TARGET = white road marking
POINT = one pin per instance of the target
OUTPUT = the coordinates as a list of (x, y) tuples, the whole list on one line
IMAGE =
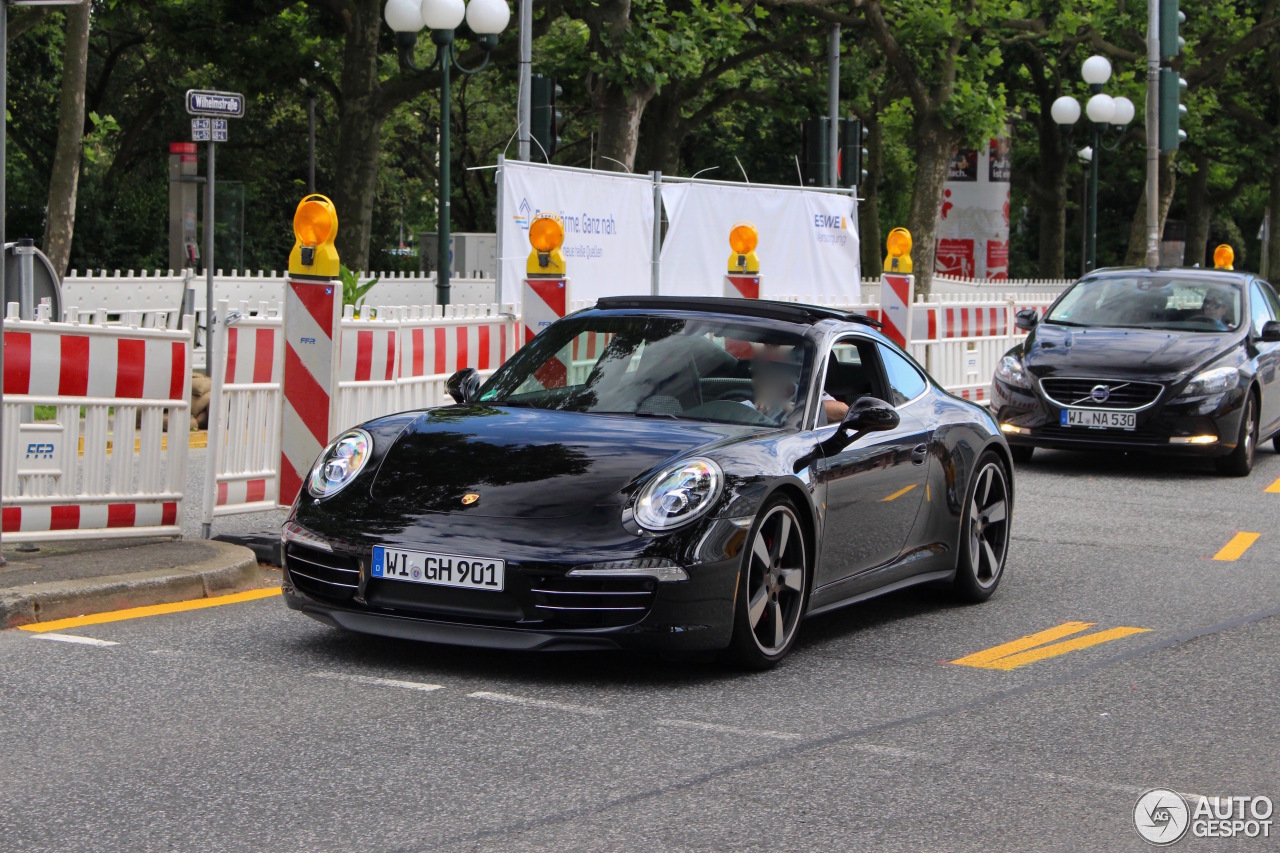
[(73, 638), (728, 730), (537, 703), (381, 682)]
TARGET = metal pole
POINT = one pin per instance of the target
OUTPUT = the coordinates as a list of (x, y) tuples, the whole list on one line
[(26, 253), (525, 110), (4, 132), (442, 218), (311, 144), (833, 105), (1091, 255), (210, 325), (654, 271), (1153, 133)]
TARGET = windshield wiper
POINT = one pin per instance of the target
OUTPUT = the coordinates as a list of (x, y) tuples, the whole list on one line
[(656, 415), (1067, 323)]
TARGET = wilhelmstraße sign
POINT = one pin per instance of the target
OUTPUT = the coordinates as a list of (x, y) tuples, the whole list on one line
[(201, 102)]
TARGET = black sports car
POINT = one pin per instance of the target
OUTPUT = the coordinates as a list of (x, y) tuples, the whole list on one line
[(656, 473), (1170, 360)]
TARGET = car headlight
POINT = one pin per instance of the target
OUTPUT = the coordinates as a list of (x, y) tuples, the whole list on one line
[(1212, 382), (679, 494), (340, 463), (1010, 371)]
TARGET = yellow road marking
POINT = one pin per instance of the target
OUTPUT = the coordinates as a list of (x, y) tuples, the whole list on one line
[(1235, 549), (1274, 488), (1041, 645), (899, 493), (149, 610)]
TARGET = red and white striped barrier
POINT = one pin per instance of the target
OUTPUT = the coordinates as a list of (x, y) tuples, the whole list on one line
[(312, 313), (543, 301), (742, 286), (103, 467), (896, 294)]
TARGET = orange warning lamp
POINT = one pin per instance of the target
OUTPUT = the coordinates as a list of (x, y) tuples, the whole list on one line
[(1223, 258), (315, 226), (899, 246), (546, 235), (743, 238)]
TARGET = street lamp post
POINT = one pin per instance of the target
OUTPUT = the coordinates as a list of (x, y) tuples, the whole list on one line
[(486, 18), (1103, 111)]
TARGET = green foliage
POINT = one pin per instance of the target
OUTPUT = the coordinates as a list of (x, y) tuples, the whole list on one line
[(353, 292)]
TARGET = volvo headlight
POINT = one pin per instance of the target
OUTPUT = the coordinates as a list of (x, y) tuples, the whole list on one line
[(679, 494), (340, 463), (1010, 371), (1210, 382)]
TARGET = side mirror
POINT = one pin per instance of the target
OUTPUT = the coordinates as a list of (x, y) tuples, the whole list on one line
[(868, 414), (464, 386), (1026, 319), (1270, 332)]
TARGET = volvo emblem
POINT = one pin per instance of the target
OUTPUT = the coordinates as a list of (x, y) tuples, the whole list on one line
[(470, 498), (1100, 394)]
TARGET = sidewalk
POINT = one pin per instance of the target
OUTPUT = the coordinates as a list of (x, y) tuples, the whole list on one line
[(67, 579)]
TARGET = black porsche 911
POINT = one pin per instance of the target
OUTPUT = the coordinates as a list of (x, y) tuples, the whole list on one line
[(1169, 360), (656, 473)]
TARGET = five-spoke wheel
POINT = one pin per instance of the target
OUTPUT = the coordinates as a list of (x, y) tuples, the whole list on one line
[(772, 588), (984, 540)]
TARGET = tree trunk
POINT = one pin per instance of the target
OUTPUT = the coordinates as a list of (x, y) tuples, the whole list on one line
[(661, 134), (1049, 189), (1199, 213), (869, 212), (1137, 254), (933, 142), (359, 135), (620, 114), (1273, 247), (64, 180)]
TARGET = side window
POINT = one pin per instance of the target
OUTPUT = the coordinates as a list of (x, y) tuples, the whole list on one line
[(1259, 307), (851, 371), (905, 382)]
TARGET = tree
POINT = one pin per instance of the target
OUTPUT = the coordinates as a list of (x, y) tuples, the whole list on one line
[(64, 181)]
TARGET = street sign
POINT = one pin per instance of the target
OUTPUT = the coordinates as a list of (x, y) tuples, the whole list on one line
[(219, 130), (200, 130), (204, 102)]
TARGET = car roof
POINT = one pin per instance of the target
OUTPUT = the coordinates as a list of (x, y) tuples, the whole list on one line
[(789, 312), (1224, 276)]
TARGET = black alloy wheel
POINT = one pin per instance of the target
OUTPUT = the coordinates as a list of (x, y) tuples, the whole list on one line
[(773, 588), (1240, 462), (984, 532)]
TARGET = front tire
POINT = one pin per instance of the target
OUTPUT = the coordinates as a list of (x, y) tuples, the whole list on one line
[(1240, 462), (984, 532), (773, 588)]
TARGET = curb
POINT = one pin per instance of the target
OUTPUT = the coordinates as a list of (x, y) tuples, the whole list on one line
[(233, 568)]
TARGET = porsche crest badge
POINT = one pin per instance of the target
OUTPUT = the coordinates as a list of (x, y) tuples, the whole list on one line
[(470, 498)]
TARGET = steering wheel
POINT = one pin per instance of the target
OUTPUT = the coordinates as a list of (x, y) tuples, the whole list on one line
[(736, 395)]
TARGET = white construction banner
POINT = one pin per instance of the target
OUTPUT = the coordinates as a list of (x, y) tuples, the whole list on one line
[(808, 246), (608, 224), (973, 225)]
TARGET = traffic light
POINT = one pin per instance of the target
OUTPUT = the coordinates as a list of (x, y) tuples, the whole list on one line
[(545, 118), (815, 158), (1171, 109), (853, 153), (1171, 19)]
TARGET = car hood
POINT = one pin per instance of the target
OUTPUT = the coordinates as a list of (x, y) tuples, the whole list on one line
[(529, 463), (1103, 353)]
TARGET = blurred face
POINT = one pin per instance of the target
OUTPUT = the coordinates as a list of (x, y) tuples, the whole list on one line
[(772, 376), (1215, 308)]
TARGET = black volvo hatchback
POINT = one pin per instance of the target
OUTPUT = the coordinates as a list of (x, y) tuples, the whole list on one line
[(661, 473), (1169, 360)]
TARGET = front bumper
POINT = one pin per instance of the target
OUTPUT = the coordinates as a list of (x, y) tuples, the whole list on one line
[(541, 606), (1197, 427)]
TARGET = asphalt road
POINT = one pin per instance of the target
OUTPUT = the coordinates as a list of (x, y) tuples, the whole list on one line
[(248, 727)]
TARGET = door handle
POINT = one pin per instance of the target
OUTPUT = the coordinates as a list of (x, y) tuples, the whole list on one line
[(919, 454)]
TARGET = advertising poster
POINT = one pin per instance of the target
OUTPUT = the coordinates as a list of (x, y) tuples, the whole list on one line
[(973, 228)]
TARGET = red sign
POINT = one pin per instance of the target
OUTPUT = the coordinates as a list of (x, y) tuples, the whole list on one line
[(955, 257)]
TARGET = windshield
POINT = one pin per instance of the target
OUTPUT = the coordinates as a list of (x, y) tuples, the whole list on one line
[(701, 368), (1151, 302)]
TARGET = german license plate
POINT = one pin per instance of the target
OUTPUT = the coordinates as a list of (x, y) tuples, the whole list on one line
[(438, 569), (1099, 419)]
